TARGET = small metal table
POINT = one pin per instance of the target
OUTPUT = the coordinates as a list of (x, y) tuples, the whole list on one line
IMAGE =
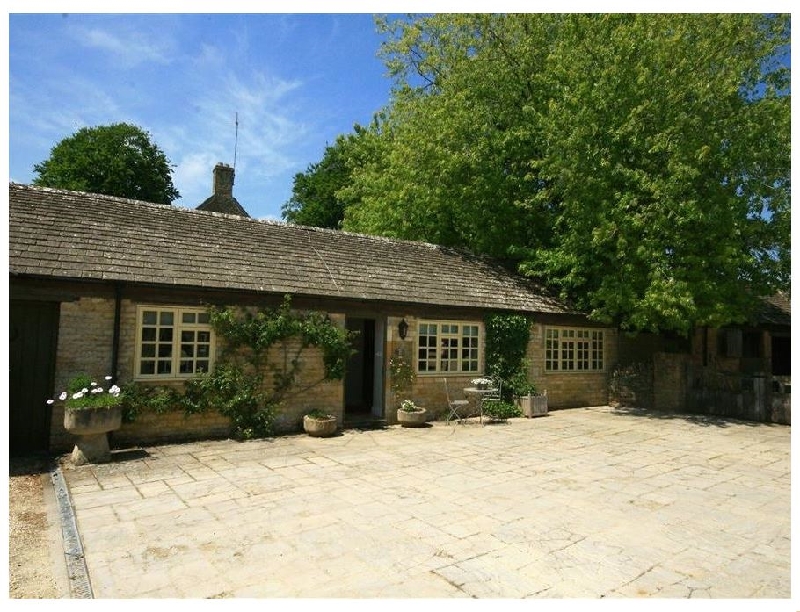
[(479, 395)]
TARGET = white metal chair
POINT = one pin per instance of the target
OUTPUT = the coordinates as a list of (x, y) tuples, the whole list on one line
[(454, 405), (494, 395)]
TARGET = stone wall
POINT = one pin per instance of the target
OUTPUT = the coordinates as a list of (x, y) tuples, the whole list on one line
[(309, 391), (631, 385), (172, 426), (570, 389), (564, 390), (85, 345), (428, 390), (669, 381), (85, 339)]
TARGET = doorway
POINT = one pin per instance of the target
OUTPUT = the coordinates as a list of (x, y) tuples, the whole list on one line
[(781, 356), (33, 338), (363, 383)]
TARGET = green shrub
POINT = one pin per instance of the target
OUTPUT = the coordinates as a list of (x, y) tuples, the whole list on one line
[(139, 398), (501, 410)]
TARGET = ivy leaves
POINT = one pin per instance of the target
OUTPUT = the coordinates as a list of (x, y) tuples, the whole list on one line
[(257, 332)]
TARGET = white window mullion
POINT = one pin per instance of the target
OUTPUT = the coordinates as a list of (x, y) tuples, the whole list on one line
[(448, 346), (172, 342), (573, 350)]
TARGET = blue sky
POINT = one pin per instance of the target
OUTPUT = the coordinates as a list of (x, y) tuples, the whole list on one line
[(296, 81)]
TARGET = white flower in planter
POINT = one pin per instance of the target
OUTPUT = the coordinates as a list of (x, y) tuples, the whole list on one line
[(409, 406)]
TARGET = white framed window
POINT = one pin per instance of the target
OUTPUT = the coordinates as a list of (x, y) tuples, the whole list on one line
[(173, 342), (448, 346), (574, 350)]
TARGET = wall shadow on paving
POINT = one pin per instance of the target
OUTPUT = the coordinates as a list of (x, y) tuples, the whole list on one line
[(704, 420)]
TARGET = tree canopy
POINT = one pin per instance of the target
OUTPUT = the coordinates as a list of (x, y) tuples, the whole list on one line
[(315, 197), (117, 160), (638, 163)]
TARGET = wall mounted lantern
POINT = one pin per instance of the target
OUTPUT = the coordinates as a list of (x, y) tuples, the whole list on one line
[(402, 327)]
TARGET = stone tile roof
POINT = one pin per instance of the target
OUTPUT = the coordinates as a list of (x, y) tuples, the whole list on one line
[(223, 204), (72, 235), (775, 310)]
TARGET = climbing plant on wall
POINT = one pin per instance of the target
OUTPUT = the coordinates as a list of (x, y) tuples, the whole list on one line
[(507, 337), (238, 384), (249, 383)]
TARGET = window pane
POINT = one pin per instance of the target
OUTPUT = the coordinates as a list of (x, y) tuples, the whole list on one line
[(165, 334), (204, 336), (149, 317), (187, 336), (148, 367), (202, 366), (164, 367), (187, 367), (149, 334), (148, 350), (203, 350), (187, 350), (189, 317), (166, 318), (165, 350), (203, 318)]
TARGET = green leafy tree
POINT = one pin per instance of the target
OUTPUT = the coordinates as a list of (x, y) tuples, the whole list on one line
[(317, 198), (639, 163), (117, 160)]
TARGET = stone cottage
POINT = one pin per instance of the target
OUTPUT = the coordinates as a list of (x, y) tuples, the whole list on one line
[(107, 285)]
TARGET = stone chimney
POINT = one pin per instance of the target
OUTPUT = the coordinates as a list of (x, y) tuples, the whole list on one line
[(223, 180), (222, 199)]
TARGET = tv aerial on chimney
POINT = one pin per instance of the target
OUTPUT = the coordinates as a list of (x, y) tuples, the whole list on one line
[(236, 141)]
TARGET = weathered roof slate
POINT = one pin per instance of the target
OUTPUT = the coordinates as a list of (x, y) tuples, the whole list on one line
[(775, 310), (223, 204), (73, 235)]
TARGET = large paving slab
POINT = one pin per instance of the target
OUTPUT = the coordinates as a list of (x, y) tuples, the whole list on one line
[(583, 503)]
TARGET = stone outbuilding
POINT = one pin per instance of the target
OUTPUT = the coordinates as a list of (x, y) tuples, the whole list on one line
[(92, 277)]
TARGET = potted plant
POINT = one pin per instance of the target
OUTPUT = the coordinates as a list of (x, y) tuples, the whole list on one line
[(90, 412), (411, 415), (533, 404), (482, 383), (319, 423)]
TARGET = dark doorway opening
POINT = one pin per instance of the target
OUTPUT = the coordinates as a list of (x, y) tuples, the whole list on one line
[(33, 338), (359, 384), (781, 356)]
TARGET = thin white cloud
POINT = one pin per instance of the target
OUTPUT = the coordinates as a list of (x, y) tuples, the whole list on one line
[(193, 178), (184, 85), (270, 126), (131, 47)]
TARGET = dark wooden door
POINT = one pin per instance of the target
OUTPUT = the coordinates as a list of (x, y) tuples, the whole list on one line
[(33, 337), (359, 387)]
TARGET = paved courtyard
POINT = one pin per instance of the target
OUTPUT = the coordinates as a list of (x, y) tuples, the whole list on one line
[(583, 503)]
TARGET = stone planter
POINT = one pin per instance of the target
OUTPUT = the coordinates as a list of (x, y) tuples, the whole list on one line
[(92, 425), (319, 427), (417, 418), (532, 405)]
